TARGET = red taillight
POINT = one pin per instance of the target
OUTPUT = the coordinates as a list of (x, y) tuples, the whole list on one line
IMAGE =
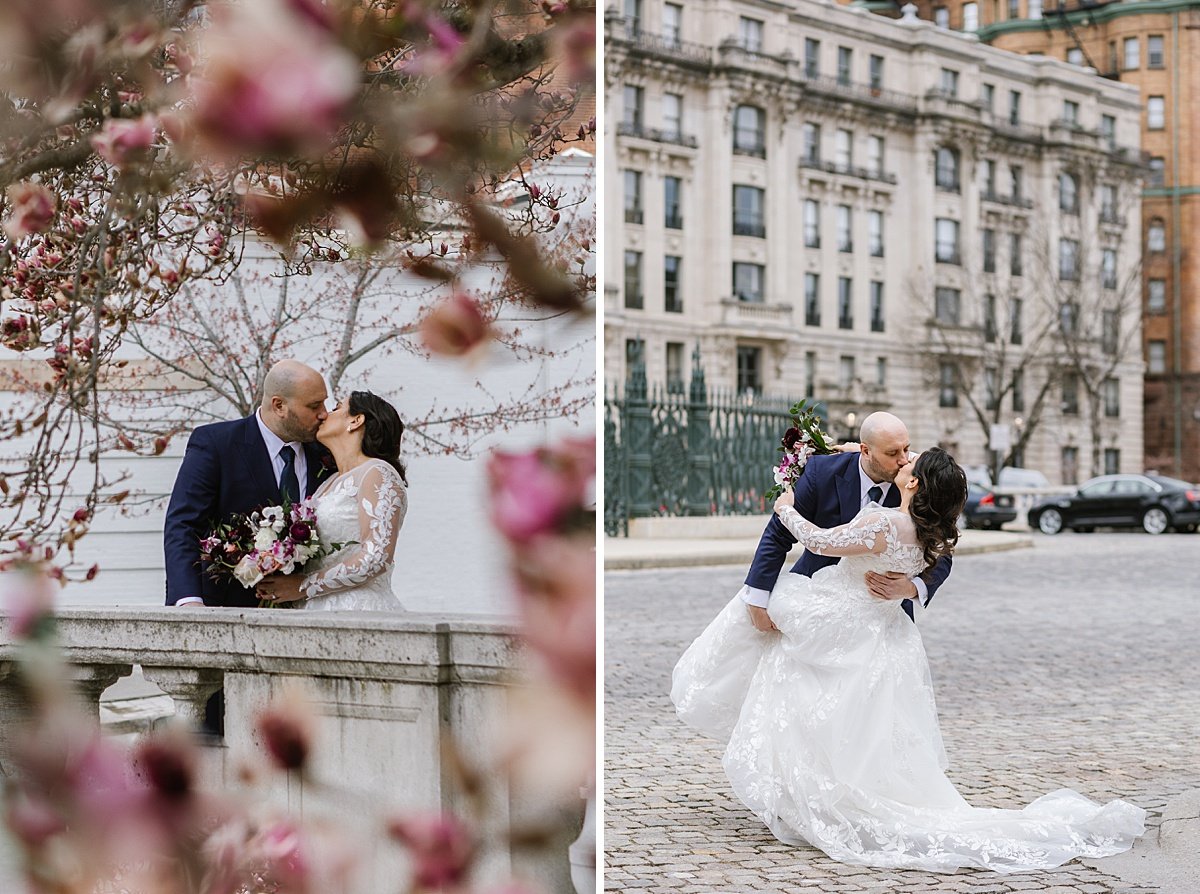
[(987, 500), (1192, 495)]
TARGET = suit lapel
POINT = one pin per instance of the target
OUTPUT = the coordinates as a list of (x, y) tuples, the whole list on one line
[(314, 455), (849, 491), (258, 462)]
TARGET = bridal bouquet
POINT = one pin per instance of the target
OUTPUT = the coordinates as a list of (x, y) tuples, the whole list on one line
[(247, 548), (802, 440)]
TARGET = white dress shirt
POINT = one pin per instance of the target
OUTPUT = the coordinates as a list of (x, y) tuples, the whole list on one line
[(754, 596)]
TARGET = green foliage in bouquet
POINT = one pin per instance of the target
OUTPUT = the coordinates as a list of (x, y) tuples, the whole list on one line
[(803, 439)]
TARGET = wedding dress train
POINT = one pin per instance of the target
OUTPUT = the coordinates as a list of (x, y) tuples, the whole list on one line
[(832, 732), (358, 576)]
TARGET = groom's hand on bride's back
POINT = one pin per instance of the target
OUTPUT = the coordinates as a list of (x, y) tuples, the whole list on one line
[(892, 585)]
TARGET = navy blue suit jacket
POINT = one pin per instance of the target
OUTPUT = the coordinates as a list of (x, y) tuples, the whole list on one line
[(828, 494), (226, 470)]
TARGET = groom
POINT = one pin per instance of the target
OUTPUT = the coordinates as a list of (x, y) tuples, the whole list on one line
[(831, 492), (235, 467)]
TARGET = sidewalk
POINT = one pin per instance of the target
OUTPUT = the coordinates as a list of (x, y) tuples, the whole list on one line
[(635, 553)]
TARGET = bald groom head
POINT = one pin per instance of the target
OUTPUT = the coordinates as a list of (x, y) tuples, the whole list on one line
[(884, 440), (293, 403)]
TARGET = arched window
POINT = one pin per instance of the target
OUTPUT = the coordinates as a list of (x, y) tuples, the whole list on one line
[(1068, 193), (750, 131), (947, 169)]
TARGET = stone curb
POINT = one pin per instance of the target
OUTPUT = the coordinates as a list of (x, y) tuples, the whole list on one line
[(637, 555)]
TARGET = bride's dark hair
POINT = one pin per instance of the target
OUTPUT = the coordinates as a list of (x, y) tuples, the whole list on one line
[(382, 428), (938, 503)]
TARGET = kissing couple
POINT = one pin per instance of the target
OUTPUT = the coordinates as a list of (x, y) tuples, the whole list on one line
[(345, 460), (818, 684)]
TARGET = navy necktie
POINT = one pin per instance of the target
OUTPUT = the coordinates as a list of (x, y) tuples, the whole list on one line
[(875, 494), (289, 484)]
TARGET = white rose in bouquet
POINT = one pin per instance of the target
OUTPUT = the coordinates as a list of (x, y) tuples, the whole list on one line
[(247, 572), (264, 539)]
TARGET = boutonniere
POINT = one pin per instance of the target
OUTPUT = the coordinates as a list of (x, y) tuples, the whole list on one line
[(328, 464)]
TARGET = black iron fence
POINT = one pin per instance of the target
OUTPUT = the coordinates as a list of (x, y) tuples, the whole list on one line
[(695, 453)]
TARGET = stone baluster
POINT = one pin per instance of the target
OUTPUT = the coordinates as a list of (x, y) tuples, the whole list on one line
[(90, 680), (189, 687)]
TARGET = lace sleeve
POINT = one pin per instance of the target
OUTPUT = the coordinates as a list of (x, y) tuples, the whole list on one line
[(382, 503), (865, 535)]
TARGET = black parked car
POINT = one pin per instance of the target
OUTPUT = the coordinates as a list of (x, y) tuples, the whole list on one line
[(986, 509), (1150, 502)]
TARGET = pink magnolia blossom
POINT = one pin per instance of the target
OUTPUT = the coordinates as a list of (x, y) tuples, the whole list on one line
[(32, 211), (122, 141), (272, 81), (532, 493), (440, 845), (455, 326), (28, 601), (287, 729)]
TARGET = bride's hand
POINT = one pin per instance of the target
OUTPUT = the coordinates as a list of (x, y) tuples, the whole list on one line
[(787, 498), (848, 447), (278, 588)]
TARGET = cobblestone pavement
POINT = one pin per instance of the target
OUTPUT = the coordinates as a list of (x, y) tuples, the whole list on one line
[(1070, 664)]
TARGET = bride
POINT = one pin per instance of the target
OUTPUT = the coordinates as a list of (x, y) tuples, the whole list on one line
[(362, 506), (831, 729)]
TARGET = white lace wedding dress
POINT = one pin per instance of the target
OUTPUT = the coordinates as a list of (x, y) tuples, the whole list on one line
[(363, 508), (832, 731)]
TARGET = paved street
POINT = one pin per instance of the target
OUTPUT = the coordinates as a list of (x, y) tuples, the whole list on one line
[(1073, 663)]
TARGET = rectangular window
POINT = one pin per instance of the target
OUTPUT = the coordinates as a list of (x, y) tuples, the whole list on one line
[(845, 232), (672, 23), (1070, 465), (875, 72), (1014, 9), (989, 251), (1132, 47), (672, 116), (1017, 176), (748, 282), (750, 131), (812, 299), (1074, 56), (1014, 107), (946, 241), (673, 203), (1154, 51), (812, 142), (845, 371), (844, 61), (941, 18), (1068, 318), (1158, 169), (1112, 400), (675, 383), (1108, 130), (748, 218), (1156, 296), (876, 307), (631, 108), (1112, 461), (812, 57), (1108, 268), (810, 373), (1018, 391), (1070, 111), (1016, 260), (991, 388), (633, 197), (1114, 58), (812, 224), (946, 305), (843, 149), (845, 303), (1156, 357), (1035, 9), (633, 15), (945, 169), (875, 233), (672, 296), (633, 351), (1068, 193), (749, 370), (875, 155), (947, 385), (1070, 394), (1016, 330), (989, 178), (1156, 236), (949, 82), (633, 280), (751, 33), (989, 318), (988, 97), (1108, 203), (970, 14), (881, 368), (1156, 113), (1068, 260), (1110, 331)]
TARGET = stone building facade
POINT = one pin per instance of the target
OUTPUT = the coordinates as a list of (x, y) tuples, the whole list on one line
[(832, 204), (1154, 47)]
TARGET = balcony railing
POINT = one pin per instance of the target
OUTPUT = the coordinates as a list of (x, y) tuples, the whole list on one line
[(847, 170), (754, 313), (862, 92), (659, 45), (1015, 201), (656, 134), (749, 226), (633, 215), (673, 220), (756, 148)]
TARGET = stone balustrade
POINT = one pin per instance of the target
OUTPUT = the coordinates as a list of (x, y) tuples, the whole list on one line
[(390, 692)]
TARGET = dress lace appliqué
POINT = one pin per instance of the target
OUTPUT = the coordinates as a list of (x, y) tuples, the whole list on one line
[(831, 728), (365, 509)]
